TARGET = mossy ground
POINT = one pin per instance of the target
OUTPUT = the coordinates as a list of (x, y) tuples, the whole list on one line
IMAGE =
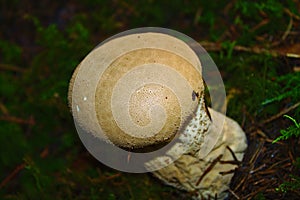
[(41, 42)]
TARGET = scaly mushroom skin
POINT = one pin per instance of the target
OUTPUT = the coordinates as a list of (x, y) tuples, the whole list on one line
[(146, 89), (194, 172)]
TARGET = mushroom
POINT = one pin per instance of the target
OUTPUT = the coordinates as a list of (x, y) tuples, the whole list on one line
[(138, 105)]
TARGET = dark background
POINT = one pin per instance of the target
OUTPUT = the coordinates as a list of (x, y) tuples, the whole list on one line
[(255, 44)]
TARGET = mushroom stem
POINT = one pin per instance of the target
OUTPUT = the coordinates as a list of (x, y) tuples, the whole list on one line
[(207, 176)]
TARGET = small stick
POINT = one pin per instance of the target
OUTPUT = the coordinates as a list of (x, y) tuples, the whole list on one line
[(3, 109), (272, 118), (210, 46), (233, 155), (113, 176), (261, 133), (11, 68), (234, 194), (213, 163), (251, 165), (43, 154), (227, 172), (257, 169), (12, 175), (17, 120), (279, 163), (291, 14), (232, 162), (288, 30)]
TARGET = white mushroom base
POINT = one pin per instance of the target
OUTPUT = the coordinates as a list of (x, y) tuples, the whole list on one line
[(206, 176)]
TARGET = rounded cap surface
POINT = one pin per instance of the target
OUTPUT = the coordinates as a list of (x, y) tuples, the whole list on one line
[(136, 90)]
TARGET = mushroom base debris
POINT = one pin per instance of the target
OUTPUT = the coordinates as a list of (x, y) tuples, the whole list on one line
[(206, 176)]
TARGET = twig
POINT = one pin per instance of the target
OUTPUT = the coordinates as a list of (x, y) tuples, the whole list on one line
[(263, 135), (291, 156), (253, 194), (213, 163), (250, 163), (291, 14), (17, 120), (8, 178), (232, 154), (227, 172), (234, 194), (257, 169), (262, 23), (11, 68), (12, 174), (231, 162), (288, 30), (210, 46), (272, 118), (279, 163), (259, 182), (3, 109), (113, 176)]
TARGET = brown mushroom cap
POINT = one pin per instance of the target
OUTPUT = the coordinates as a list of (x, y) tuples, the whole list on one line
[(136, 90)]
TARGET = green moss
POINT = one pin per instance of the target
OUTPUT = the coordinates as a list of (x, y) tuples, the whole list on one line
[(10, 52), (293, 185), (291, 131), (256, 82)]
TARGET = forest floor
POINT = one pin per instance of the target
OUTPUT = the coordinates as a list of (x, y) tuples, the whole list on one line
[(255, 45)]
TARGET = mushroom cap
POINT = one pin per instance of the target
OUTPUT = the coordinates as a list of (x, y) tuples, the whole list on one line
[(136, 90)]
